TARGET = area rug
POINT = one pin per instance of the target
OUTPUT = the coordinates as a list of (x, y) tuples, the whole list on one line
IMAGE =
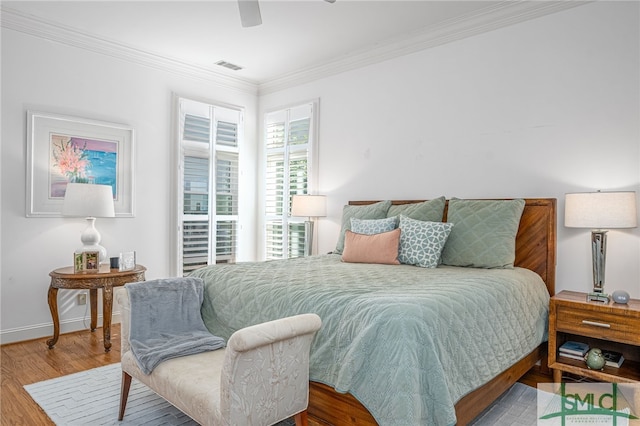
[(518, 406), (92, 397)]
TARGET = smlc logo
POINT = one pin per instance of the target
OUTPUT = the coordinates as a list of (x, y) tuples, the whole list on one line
[(591, 404)]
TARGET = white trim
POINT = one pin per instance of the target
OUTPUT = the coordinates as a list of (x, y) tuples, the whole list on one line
[(500, 15), (29, 24), (38, 331)]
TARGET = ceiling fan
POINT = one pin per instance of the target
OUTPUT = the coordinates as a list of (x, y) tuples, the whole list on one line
[(250, 12)]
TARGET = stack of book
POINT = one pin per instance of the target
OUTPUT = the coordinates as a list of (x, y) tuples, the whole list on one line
[(578, 350), (612, 358), (574, 350)]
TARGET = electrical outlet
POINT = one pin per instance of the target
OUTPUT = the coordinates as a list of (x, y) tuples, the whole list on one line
[(82, 299)]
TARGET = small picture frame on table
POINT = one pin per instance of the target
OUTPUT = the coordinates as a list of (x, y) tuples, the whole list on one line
[(87, 261), (91, 261), (78, 262), (127, 261)]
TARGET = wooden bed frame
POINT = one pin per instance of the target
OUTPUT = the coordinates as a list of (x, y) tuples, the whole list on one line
[(535, 250)]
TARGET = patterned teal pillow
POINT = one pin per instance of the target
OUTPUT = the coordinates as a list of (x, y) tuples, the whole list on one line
[(421, 242), (373, 226), (484, 235), (431, 210), (369, 211)]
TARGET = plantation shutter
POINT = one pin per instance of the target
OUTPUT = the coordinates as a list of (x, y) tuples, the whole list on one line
[(209, 165), (288, 141)]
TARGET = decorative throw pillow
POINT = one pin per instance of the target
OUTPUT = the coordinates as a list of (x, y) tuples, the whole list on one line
[(369, 211), (421, 242), (431, 210), (484, 235), (373, 226), (376, 248)]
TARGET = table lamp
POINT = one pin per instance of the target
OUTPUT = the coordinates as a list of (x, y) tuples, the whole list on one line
[(89, 201), (600, 211), (310, 206)]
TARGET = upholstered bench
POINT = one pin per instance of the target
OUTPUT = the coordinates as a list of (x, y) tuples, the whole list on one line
[(260, 378)]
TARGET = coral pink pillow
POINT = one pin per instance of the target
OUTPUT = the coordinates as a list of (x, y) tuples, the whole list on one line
[(377, 248)]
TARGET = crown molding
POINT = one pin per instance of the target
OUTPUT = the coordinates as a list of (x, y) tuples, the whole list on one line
[(28, 24), (498, 16)]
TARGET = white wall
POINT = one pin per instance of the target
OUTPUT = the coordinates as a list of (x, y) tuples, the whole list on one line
[(539, 109), (51, 77)]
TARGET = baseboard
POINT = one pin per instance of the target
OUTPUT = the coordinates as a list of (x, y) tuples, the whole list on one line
[(38, 331)]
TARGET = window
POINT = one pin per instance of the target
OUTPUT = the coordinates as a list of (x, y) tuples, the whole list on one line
[(289, 153), (209, 137)]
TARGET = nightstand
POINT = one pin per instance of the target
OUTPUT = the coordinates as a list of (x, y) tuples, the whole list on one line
[(609, 326), (105, 279)]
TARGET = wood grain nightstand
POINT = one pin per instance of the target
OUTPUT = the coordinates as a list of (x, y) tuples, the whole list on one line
[(609, 326)]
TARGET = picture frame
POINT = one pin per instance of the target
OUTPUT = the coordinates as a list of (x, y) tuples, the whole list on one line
[(63, 149), (86, 261), (91, 261), (127, 261), (78, 262)]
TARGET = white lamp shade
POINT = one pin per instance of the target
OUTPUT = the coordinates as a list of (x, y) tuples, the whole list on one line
[(309, 205), (88, 200), (601, 210)]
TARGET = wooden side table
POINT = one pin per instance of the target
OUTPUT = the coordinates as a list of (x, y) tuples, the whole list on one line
[(601, 325), (104, 279)]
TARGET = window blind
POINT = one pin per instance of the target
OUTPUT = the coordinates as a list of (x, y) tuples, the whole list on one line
[(287, 143), (209, 166)]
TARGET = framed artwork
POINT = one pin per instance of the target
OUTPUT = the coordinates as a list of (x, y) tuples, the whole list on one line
[(86, 261), (91, 260), (78, 262), (63, 149), (127, 261)]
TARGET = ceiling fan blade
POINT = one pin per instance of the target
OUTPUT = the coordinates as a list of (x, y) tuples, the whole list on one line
[(249, 13)]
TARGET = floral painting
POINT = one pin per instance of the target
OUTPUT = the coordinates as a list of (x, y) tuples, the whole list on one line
[(62, 149), (81, 160)]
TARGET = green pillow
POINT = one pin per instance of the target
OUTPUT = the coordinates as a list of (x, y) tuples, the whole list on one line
[(427, 211), (369, 211), (484, 235), (373, 226)]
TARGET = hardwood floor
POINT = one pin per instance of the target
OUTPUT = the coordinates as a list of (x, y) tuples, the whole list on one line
[(29, 362), (32, 361)]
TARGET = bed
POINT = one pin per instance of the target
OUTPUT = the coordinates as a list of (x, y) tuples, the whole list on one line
[(402, 344)]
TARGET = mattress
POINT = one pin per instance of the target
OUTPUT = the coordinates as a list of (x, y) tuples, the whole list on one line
[(407, 342)]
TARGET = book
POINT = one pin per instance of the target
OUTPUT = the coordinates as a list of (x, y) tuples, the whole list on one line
[(572, 356), (612, 358), (574, 348)]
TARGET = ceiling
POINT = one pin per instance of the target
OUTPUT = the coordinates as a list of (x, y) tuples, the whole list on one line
[(296, 37)]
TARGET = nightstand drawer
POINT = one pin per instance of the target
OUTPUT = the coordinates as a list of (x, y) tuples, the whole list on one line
[(601, 325)]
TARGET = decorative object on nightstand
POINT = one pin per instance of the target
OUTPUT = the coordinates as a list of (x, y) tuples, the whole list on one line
[(127, 261), (309, 206), (600, 211), (595, 360), (620, 296), (89, 201)]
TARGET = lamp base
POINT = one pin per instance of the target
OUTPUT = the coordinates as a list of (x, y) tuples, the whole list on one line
[(308, 238), (91, 240), (598, 297)]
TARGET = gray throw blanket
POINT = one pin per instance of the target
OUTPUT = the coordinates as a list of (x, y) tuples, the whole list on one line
[(166, 321)]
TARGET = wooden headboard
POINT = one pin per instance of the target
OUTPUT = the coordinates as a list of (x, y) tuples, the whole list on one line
[(535, 241)]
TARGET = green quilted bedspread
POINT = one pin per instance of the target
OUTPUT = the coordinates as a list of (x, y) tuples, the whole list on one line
[(407, 342)]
